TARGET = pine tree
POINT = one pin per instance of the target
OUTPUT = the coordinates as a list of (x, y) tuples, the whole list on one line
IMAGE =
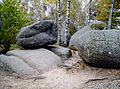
[(13, 18), (102, 13)]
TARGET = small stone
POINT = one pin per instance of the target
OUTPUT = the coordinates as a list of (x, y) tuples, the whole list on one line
[(64, 53)]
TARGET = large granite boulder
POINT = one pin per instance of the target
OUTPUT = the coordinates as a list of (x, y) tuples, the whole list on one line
[(95, 25), (100, 48), (37, 35), (29, 62)]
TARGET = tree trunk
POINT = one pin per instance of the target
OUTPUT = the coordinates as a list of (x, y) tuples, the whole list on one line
[(28, 6), (42, 12), (59, 23), (89, 16), (56, 18), (111, 15), (67, 32)]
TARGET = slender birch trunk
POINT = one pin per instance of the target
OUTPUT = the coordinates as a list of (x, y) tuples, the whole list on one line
[(56, 18), (42, 12), (89, 15), (28, 6), (67, 32), (111, 15), (59, 22)]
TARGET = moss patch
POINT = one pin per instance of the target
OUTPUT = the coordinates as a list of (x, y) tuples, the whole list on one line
[(97, 26), (69, 54), (72, 29), (14, 46)]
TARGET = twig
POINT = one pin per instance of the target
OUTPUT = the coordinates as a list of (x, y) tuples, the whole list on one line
[(68, 67), (36, 78), (90, 80)]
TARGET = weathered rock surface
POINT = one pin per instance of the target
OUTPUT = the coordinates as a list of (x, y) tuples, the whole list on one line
[(110, 85), (79, 27), (100, 48), (64, 53), (74, 41), (37, 35), (12, 64), (39, 59)]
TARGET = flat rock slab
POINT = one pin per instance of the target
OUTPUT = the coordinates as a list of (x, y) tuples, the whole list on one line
[(40, 59), (12, 64), (29, 62), (64, 53)]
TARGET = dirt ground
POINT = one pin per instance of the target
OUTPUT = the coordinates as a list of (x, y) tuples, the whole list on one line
[(74, 74)]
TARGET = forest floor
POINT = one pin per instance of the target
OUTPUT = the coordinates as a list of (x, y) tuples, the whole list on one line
[(75, 74)]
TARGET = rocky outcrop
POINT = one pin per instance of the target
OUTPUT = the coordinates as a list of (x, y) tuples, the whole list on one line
[(100, 48), (29, 62), (37, 35), (12, 64)]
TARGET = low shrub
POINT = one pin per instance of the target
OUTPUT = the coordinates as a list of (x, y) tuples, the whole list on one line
[(13, 18)]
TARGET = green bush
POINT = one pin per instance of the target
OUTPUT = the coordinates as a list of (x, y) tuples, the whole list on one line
[(98, 26), (13, 18)]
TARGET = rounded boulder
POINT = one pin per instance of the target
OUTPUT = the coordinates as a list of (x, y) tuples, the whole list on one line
[(37, 35), (100, 48)]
